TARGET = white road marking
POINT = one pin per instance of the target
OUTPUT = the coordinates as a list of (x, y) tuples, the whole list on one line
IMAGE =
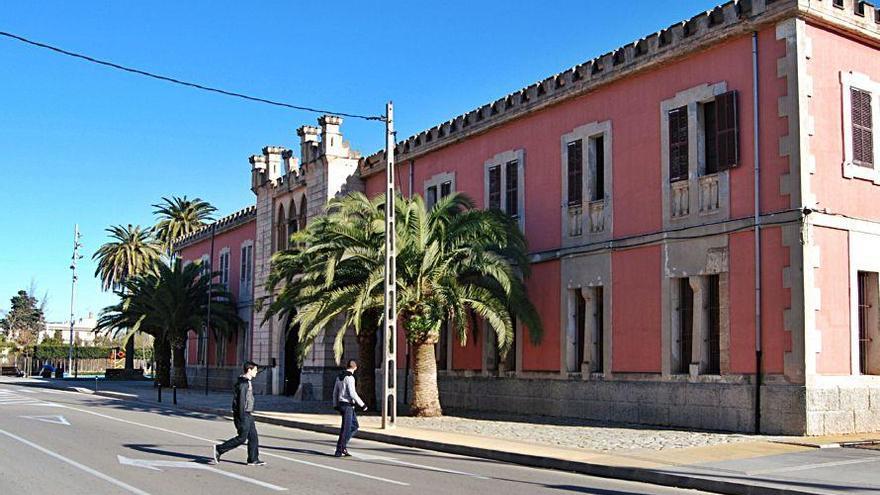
[(155, 465), (370, 457), (268, 454), (56, 419), (8, 398), (98, 474), (807, 467)]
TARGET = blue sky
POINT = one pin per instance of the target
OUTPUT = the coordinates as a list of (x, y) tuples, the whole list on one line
[(80, 143)]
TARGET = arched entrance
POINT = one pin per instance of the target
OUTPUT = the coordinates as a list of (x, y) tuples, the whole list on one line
[(292, 371)]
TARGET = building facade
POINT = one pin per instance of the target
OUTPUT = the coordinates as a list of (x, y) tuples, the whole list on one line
[(700, 211)]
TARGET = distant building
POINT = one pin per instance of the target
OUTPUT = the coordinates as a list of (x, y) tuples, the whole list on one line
[(83, 330)]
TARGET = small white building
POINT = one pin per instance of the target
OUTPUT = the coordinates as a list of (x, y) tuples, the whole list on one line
[(83, 330)]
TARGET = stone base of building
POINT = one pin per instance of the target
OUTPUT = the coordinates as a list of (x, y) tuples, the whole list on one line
[(843, 408), (706, 405), (317, 384), (219, 378)]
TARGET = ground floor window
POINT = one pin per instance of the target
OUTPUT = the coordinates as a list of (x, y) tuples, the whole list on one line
[(685, 310), (868, 305), (714, 330)]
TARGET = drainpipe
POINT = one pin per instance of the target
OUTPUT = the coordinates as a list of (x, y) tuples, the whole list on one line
[(411, 177), (757, 220)]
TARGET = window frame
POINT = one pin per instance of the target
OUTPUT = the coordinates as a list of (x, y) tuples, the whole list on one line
[(851, 169), (436, 184), (502, 163)]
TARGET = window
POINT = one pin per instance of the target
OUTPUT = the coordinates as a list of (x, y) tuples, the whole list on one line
[(246, 272), (431, 197), (580, 315), (868, 301), (598, 321), (445, 189), (511, 196), (597, 168), (224, 267), (714, 310), (205, 265), (495, 187), (303, 213), (862, 128), (280, 230), (860, 98), (575, 173), (678, 144), (685, 339)]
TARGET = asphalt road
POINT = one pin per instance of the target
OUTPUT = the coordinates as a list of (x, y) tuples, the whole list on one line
[(62, 442)]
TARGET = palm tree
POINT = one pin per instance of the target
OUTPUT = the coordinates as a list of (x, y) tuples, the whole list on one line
[(132, 251), (179, 217), (168, 304), (348, 242), (455, 264)]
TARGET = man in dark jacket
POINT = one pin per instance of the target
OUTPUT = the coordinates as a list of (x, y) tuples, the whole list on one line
[(345, 399), (242, 413)]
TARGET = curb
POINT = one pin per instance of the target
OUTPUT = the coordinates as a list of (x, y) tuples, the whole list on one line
[(642, 475)]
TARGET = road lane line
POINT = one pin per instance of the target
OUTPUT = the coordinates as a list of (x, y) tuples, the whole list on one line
[(98, 474), (807, 467), (156, 464), (214, 442), (370, 457)]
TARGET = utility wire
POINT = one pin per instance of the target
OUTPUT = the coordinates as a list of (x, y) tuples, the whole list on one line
[(184, 83)]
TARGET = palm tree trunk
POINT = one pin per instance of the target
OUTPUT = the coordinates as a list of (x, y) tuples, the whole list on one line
[(162, 352), (366, 383), (426, 396), (178, 375), (129, 353)]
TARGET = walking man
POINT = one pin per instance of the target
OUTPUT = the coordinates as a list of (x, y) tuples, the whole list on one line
[(242, 413), (345, 399)]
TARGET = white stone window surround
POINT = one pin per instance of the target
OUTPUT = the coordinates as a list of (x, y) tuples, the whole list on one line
[(437, 180), (692, 98), (849, 80), (862, 258), (585, 133), (205, 261), (502, 159)]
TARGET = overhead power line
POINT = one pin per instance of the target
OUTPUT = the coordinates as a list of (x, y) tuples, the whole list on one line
[(185, 83)]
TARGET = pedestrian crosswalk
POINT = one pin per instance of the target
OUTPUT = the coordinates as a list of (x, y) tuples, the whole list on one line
[(9, 398)]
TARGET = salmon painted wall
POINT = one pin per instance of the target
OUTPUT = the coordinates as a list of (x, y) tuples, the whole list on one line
[(633, 106), (775, 341), (543, 290), (231, 239), (833, 317), (636, 322), (833, 53)]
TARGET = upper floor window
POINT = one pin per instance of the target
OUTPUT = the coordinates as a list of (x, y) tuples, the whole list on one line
[(502, 183), (438, 187), (586, 179), (716, 131), (246, 272), (205, 265), (224, 267), (861, 141)]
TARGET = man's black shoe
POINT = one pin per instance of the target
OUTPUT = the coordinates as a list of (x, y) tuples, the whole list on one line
[(256, 463)]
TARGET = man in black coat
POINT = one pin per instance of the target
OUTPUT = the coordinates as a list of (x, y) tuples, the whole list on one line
[(242, 413)]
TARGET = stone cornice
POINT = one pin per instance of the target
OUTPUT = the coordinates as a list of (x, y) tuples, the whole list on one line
[(698, 33), (224, 224)]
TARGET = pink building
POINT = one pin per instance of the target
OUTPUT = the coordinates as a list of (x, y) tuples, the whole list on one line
[(699, 206)]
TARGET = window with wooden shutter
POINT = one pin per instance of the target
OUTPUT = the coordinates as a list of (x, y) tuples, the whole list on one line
[(431, 196), (597, 168), (727, 131), (678, 144), (445, 189), (511, 188), (575, 172), (862, 128), (495, 187), (710, 138)]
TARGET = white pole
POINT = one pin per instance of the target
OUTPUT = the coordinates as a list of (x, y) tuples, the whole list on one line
[(74, 259), (389, 331)]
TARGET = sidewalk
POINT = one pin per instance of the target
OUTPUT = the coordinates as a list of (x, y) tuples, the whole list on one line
[(723, 463)]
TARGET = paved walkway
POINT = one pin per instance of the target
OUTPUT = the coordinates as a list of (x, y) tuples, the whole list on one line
[(723, 463)]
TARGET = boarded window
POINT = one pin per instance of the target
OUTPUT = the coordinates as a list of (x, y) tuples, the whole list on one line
[(511, 188), (495, 187), (575, 172), (727, 131), (597, 168), (678, 144), (862, 128)]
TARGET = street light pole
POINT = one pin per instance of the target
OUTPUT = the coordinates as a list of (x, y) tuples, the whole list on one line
[(389, 332), (210, 296), (76, 257)]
